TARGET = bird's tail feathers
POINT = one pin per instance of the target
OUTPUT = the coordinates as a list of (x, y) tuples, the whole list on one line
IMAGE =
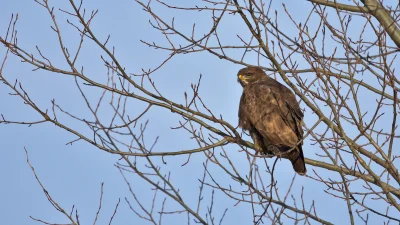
[(297, 158)]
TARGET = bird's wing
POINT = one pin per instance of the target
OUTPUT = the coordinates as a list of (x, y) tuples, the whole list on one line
[(275, 114), (294, 115)]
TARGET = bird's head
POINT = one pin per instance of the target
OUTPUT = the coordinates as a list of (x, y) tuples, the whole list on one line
[(250, 75)]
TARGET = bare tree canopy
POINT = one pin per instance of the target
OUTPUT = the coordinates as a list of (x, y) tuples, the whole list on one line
[(146, 92)]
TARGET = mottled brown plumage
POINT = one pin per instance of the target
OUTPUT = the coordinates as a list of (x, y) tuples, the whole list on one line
[(271, 114)]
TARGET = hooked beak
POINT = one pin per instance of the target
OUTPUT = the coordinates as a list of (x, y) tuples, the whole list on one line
[(242, 79)]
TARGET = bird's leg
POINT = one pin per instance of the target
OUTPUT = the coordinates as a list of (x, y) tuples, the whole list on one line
[(259, 142), (274, 150)]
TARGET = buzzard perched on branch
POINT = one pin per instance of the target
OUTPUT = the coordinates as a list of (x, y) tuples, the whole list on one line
[(271, 114)]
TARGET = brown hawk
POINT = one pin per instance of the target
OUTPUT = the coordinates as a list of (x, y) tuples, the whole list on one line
[(271, 114)]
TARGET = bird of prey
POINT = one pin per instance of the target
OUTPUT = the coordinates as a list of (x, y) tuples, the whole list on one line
[(271, 114)]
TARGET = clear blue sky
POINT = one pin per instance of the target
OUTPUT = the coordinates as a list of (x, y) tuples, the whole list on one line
[(73, 174)]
